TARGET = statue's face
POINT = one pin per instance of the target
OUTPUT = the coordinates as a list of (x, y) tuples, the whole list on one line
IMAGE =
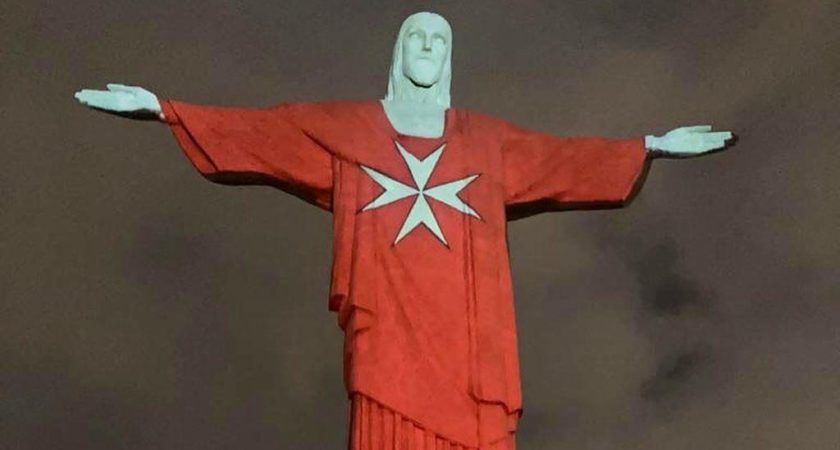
[(425, 48)]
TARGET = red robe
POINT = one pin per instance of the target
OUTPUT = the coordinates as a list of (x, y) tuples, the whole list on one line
[(427, 310)]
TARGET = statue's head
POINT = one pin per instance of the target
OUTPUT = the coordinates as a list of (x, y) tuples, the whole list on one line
[(422, 66)]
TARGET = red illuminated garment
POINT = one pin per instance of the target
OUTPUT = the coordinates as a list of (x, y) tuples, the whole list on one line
[(420, 279)]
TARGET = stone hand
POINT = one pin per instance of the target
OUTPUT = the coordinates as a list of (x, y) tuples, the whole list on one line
[(127, 101), (688, 141)]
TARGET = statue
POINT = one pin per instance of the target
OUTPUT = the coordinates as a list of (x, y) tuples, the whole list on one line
[(430, 340)]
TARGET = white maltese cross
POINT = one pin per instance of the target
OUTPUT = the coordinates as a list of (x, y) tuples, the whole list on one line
[(421, 212)]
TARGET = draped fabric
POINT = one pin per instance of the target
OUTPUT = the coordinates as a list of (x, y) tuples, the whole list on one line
[(420, 279)]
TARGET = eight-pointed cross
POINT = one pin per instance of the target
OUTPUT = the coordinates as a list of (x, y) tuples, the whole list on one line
[(421, 212)]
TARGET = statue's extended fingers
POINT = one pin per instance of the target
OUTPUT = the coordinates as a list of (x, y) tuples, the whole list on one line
[(722, 135), (696, 128), (87, 95), (85, 92), (119, 87), (98, 99), (718, 144), (714, 142)]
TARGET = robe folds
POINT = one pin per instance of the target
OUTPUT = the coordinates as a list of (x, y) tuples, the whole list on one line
[(420, 278)]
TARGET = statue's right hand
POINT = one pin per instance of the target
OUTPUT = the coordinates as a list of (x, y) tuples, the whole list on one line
[(128, 101)]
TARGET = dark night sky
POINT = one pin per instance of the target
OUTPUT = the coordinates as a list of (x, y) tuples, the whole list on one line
[(142, 307)]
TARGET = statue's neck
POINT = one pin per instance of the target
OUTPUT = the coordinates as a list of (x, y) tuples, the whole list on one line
[(414, 118)]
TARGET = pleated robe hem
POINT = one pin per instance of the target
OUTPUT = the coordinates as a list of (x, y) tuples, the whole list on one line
[(374, 426)]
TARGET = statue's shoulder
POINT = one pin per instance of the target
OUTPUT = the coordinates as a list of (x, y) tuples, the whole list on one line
[(332, 107), (480, 121), (325, 118)]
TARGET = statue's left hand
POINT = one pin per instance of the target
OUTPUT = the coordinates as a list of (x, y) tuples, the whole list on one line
[(689, 141), (133, 102)]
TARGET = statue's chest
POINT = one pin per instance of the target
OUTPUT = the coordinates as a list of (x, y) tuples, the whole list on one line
[(393, 182)]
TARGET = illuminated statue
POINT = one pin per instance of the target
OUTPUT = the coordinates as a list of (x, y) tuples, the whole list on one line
[(419, 194)]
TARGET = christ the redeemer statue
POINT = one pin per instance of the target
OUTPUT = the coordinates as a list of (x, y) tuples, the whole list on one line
[(420, 194)]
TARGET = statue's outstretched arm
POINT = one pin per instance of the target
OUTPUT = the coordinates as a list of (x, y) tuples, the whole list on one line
[(690, 141), (133, 102)]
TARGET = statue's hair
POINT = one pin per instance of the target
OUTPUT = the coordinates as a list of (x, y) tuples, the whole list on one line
[(398, 83)]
